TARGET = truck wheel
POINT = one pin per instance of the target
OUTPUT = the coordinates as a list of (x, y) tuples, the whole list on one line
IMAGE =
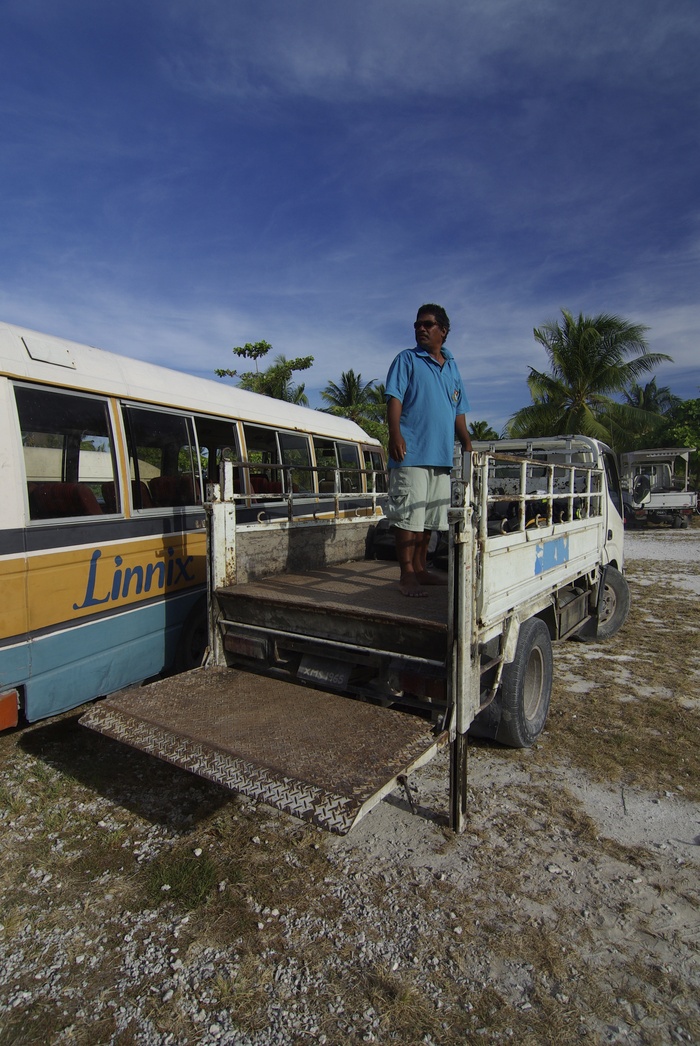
[(677, 522), (615, 604), (526, 687)]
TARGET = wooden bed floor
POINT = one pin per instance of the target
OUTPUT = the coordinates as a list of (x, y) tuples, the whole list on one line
[(359, 588)]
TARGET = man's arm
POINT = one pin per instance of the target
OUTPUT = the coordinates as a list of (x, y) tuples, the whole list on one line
[(462, 432), (397, 444)]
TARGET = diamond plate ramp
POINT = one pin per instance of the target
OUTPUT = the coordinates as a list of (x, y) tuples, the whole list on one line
[(323, 758)]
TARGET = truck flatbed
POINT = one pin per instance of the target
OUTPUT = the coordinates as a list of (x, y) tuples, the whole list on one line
[(357, 602)]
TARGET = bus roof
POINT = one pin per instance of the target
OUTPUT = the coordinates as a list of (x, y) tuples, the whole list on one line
[(32, 356)]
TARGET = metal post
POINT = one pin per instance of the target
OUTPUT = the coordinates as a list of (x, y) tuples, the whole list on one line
[(461, 627), (221, 553)]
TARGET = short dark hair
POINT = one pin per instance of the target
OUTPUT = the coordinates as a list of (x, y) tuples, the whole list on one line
[(439, 314)]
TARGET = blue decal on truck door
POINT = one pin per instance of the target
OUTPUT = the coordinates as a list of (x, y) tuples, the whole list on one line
[(550, 554)]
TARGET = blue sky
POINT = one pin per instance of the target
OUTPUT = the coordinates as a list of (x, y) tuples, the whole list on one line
[(182, 176)]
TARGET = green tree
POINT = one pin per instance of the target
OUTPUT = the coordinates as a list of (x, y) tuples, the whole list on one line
[(378, 397), (363, 402), (481, 430), (591, 358), (276, 381), (642, 417), (651, 398), (681, 428), (377, 425), (351, 398)]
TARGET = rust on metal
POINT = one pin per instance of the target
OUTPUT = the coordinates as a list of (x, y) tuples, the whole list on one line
[(354, 588), (321, 757), (357, 601)]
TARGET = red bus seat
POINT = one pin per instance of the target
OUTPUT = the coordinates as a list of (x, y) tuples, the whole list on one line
[(53, 500)]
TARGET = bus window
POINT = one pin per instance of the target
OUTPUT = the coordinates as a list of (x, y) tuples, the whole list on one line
[(349, 458), (262, 452), (326, 463), (162, 459), (296, 453), (376, 479), (213, 436), (67, 445), (331, 455)]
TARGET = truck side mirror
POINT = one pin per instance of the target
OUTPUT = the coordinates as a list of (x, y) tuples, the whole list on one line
[(641, 489)]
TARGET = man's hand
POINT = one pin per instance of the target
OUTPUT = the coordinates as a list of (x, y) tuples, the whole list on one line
[(397, 448)]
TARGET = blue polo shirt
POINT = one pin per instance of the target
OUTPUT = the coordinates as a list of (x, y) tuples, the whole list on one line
[(431, 398)]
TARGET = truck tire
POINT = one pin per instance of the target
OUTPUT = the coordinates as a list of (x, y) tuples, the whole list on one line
[(615, 604), (526, 687)]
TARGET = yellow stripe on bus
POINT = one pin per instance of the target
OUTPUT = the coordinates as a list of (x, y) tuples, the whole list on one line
[(75, 583)]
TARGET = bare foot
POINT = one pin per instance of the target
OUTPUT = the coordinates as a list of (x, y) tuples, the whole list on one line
[(408, 586), (427, 577)]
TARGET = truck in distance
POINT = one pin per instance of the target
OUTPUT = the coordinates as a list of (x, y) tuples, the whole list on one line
[(651, 491)]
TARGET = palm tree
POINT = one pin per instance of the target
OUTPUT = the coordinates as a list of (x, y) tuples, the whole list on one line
[(651, 398), (378, 400), (481, 430), (591, 358), (351, 398), (643, 414)]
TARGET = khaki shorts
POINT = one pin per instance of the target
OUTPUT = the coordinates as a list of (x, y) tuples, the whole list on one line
[(419, 496)]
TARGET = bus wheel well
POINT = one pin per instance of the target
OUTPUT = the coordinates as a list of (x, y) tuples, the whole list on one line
[(193, 639)]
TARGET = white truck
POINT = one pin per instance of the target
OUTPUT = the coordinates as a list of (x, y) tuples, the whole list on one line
[(650, 490), (324, 687)]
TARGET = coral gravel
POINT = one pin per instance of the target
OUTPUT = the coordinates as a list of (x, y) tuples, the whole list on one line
[(141, 905)]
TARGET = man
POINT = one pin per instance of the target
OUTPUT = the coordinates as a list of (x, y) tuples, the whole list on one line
[(426, 408)]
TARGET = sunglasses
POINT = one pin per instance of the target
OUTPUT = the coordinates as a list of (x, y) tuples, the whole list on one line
[(425, 323)]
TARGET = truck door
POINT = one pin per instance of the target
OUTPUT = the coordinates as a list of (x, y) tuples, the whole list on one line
[(615, 516)]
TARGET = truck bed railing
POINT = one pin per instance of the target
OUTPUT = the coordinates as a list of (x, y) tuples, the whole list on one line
[(517, 494), (269, 486)]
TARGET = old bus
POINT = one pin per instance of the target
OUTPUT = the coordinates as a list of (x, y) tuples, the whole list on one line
[(104, 466)]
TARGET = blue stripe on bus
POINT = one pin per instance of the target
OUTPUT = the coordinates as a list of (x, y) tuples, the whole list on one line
[(550, 554), (64, 669)]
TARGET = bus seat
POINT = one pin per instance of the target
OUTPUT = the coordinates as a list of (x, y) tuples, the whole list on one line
[(259, 483), (142, 489), (138, 490), (109, 496), (172, 491), (53, 500)]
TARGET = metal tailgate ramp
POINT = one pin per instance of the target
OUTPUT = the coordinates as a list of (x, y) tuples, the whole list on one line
[(321, 757)]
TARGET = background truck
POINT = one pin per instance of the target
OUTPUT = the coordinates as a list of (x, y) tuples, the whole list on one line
[(324, 687), (650, 489)]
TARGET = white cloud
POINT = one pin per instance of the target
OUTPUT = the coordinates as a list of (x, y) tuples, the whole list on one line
[(400, 48)]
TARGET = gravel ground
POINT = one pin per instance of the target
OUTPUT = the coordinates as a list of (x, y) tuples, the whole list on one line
[(568, 911)]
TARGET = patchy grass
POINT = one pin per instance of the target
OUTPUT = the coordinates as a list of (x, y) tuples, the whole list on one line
[(188, 877), (606, 715)]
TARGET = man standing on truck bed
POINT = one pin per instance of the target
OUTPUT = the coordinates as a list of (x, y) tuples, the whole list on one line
[(426, 408)]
